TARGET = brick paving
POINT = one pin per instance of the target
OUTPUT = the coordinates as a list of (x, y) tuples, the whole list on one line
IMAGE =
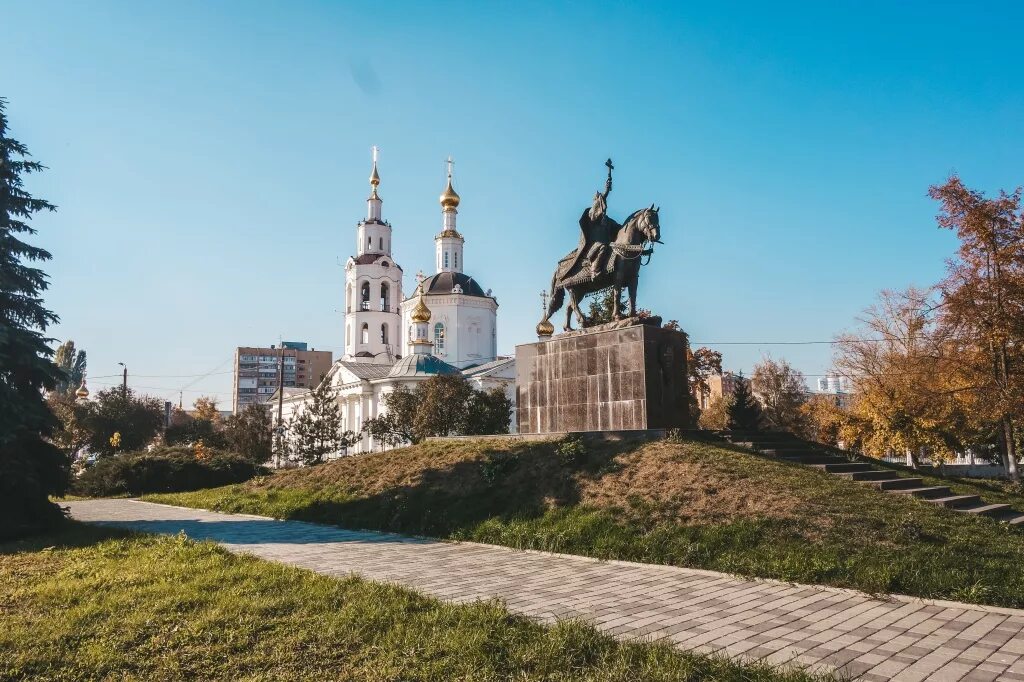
[(819, 628)]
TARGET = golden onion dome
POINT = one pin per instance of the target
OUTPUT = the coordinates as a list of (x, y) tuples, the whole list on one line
[(374, 177), (449, 198), (83, 391), (545, 328), (421, 313)]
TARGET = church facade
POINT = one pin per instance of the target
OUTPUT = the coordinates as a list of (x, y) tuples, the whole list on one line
[(447, 326)]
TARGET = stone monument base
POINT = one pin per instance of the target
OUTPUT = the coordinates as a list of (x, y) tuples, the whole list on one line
[(626, 375)]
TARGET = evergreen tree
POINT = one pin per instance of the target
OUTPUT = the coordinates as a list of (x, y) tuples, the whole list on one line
[(249, 433), (744, 411), (31, 467), (317, 428), (72, 362)]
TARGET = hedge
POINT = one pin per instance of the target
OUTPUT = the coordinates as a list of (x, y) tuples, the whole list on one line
[(163, 470)]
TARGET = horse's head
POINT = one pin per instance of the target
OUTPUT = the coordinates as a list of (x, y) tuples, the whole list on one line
[(648, 223)]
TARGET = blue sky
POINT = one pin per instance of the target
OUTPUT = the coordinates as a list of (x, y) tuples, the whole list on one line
[(210, 159)]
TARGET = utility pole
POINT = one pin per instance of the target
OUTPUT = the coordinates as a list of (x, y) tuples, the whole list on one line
[(124, 379), (280, 401)]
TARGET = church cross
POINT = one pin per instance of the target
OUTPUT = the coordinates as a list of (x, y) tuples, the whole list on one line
[(544, 301), (450, 164)]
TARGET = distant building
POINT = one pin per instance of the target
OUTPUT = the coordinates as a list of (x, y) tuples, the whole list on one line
[(837, 387), (719, 385), (256, 371)]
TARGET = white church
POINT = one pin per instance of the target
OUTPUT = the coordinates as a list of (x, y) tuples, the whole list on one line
[(447, 326)]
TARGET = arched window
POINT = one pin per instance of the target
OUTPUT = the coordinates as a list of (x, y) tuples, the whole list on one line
[(439, 338), (445, 259), (384, 333), (364, 296), (456, 256), (385, 297), (369, 242), (381, 242), (365, 337), (348, 298)]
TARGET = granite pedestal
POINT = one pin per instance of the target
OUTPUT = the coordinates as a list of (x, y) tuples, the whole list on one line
[(622, 376)]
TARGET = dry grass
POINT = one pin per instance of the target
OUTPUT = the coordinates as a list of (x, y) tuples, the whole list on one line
[(677, 484)]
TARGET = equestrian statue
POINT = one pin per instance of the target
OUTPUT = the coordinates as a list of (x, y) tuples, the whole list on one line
[(608, 256)]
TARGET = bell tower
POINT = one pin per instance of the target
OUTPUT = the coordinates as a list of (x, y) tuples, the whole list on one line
[(373, 287), (449, 242)]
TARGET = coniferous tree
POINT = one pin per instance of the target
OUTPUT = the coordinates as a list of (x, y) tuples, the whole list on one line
[(744, 411), (31, 467), (317, 428)]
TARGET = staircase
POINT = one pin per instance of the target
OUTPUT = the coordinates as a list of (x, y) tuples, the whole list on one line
[(789, 448)]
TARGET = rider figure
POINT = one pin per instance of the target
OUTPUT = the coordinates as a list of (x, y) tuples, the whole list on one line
[(597, 231)]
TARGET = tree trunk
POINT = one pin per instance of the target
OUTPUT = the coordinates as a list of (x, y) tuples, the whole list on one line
[(1011, 449)]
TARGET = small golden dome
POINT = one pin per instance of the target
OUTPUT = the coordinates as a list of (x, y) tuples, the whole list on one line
[(421, 313), (374, 177), (449, 198), (545, 328), (83, 391)]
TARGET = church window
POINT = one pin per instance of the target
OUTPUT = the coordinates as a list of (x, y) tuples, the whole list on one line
[(369, 242), (348, 332), (365, 337), (381, 242), (445, 259), (364, 296), (348, 298), (456, 256), (411, 333), (385, 297), (384, 334), (439, 339)]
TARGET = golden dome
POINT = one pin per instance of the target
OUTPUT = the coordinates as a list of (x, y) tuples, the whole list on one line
[(449, 198), (421, 313), (545, 328), (374, 177), (83, 391)]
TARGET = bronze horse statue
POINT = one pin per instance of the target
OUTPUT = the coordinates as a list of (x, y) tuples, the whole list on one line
[(630, 243)]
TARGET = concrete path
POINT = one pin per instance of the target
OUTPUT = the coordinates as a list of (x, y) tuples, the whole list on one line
[(816, 627)]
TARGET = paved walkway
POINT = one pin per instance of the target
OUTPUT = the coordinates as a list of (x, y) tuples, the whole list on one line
[(702, 611)]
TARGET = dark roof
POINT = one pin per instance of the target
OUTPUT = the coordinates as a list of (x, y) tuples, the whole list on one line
[(478, 370), (420, 365), (366, 370), (444, 282), (368, 258)]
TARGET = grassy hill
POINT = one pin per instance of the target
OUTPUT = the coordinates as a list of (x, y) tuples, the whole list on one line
[(90, 603), (684, 503)]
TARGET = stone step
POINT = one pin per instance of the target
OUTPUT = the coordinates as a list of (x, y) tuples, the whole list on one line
[(985, 509), (813, 459), (925, 492), (956, 501), (843, 467), (872, 475), (1014, 518), (896, 483)]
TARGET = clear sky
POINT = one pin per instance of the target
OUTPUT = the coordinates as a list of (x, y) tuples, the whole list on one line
[(209, 160)]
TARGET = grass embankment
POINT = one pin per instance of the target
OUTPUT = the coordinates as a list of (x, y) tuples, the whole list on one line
[(688, 504), (97, 604)]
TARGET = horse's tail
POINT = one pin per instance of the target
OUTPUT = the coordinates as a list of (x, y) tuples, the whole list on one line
[(557, 295)]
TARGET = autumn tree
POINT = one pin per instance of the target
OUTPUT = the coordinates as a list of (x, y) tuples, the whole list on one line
[(715, 416), (205, 408), (31, 467), (137, 418), (443, 405), (701, 365), (983, 300), (908, 392), (73, 363), (249, 433), (781, 390)]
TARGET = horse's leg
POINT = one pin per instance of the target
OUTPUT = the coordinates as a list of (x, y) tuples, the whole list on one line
[(568, 310), (616, 295), (632, 291)]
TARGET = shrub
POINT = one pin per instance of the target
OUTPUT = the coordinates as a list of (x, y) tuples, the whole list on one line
[(168, 469)]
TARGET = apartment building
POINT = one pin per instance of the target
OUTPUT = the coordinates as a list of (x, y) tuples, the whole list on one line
[(256, 371)]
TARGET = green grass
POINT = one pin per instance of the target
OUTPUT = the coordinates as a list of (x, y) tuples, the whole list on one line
[(88, 603), (812, 527)]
